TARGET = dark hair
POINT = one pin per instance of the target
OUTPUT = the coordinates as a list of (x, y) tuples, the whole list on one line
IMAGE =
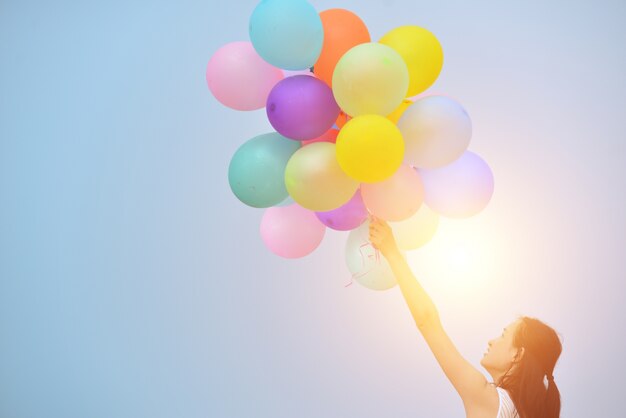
[(524, 380)]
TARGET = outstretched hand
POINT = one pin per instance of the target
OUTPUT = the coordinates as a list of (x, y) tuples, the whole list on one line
[(381, 236)]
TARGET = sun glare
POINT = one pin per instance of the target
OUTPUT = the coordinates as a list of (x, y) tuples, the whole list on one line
[(459, 258), (462, 253)]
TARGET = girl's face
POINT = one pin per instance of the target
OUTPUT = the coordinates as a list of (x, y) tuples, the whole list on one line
[(501, 352)]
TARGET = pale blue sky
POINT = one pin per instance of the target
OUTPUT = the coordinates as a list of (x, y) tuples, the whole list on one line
[(134, 284)]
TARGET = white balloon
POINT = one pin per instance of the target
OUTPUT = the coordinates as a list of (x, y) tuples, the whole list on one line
[(436, 131)]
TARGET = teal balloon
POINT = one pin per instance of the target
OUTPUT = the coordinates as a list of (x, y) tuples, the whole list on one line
[(257, 170), (287, 33), (287, 202)]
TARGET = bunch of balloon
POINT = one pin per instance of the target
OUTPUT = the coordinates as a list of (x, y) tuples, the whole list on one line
[(354, 133)]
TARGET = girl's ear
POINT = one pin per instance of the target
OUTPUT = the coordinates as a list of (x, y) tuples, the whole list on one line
[(520, 354)]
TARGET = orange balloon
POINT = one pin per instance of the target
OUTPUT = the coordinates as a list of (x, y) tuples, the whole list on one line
[(328, 136), (342, 119), (342, 30)]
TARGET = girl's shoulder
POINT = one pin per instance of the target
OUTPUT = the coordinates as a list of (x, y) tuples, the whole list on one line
[(507, 407)]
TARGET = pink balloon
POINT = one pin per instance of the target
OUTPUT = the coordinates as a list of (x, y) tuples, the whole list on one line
[(460, 189), (291, 231), (346, 217), (239, 78), (396, 198)]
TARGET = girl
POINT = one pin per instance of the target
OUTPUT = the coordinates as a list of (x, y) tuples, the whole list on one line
[(518, 360)]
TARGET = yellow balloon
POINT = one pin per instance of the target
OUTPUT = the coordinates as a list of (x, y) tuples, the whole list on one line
[(370, 79), (370, 148), (315, 180), (416, 231), (421, 52), (396, 114)]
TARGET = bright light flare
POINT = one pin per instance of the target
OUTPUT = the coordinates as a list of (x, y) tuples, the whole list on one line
[(463, 254)]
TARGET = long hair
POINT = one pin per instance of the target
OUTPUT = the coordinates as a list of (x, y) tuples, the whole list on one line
[(525, 378)]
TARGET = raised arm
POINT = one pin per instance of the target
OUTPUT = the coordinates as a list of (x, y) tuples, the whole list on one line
[(477, 395)]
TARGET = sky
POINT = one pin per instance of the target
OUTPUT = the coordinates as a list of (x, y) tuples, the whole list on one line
[(133, 283)]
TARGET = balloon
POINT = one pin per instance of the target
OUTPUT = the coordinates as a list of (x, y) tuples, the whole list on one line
[(396, 114), (342, 30), (287, 33), (342, 119), (288, 201), (291, 231), (368, 266), (436, 130), (346, 217), (256, 172), (396, 198), (370, 78), (289, 73), (421, 52), (370, 148), (301, 107), (458, 190), (328, 136), (417, 230), (315, 180), (239, 78)]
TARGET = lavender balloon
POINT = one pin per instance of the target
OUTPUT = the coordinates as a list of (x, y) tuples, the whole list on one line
[(460, 189), (301, 107), (346, 217)]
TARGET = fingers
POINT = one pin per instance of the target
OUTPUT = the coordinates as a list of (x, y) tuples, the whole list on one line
[(378, 236), (377, 221), (379, 227), (379, 232)]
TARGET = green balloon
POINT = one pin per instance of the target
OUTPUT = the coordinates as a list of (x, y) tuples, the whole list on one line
[(257, 170), (370, 78)]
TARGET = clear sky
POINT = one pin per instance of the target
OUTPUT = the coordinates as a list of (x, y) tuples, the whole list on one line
[(134, 284)]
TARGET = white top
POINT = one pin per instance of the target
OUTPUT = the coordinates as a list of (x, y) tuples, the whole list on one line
[(507, 408)]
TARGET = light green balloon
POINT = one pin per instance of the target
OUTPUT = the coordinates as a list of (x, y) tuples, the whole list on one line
[(315, 180), (257, 170), (368, 266), (370, 78)]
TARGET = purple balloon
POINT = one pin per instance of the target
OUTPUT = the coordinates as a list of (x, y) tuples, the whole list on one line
[(460, 189), (346, 217), (301, 107)]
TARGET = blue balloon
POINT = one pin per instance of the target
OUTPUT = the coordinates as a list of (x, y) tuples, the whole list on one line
[(257, 170), (287, 33)]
